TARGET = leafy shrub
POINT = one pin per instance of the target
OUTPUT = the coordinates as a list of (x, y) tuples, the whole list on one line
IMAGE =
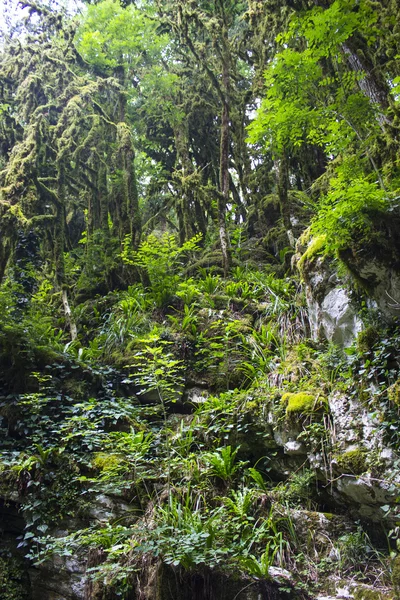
[(160, 258), (347, 213)]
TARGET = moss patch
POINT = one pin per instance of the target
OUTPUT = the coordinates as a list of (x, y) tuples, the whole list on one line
[(364, 593), (396, 576), (394, 393), (367, 338), (303, 403), (353, 461), (13, 581), (107, 462), (316, 247)]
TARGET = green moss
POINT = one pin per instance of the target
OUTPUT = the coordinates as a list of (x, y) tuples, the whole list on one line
[(364, 593), (47, 356), (106, 462), (303, 403), (367, 338), (353, 461), (396, 576), (316, 247), (394, 393), (304, 239), (12, 580)]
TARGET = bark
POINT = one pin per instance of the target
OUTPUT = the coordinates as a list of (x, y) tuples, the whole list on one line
[(68, 315), (131, 195), (59, 229), (59, 244), (192, 217), (5, 252), (186, 229), (222, 88), (125, 197), (103, 199), (370, 84), (281, 166), (223, 198)]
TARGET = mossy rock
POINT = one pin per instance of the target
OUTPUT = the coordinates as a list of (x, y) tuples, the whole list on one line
[(14, 583), (367, 338), (367, 593), (47, 356), (303, 403), (396, 576), (353, 461), (316, 247), (394, 393)]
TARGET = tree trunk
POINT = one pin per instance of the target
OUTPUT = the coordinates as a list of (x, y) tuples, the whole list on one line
[(223, 198), (68, 315), (126, 194), (6, 245), (281, 166), (186, 229), (369, 84), (59, 228), (59, 243)]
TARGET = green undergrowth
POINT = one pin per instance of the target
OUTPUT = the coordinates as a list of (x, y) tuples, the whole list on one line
[(196, 480)]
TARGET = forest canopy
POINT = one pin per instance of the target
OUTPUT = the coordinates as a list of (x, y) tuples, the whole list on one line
[(205, 118)]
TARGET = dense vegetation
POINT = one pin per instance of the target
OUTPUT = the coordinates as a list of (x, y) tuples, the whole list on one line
[(173, 174)]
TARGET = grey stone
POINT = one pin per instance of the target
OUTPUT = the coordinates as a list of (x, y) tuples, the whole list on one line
[(386, 286), (195, 395), (294, 448), (279, 575), (339, 319), (367, 491)]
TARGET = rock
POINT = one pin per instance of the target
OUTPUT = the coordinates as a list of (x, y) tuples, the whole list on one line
[(286, 433), (105, 508), (344, 593), (384, 281), (387, 455), (320, 526), (340, 593), (338, 317), (195, 395), (368, 592), (316, 461), (59, 579), (331, 310), (368, 493), (332, 313), (353, 424), (372, 263), (294, 448), (279, 575)]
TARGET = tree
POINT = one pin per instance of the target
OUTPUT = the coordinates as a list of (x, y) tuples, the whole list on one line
[(317, 97), (63, 130)]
